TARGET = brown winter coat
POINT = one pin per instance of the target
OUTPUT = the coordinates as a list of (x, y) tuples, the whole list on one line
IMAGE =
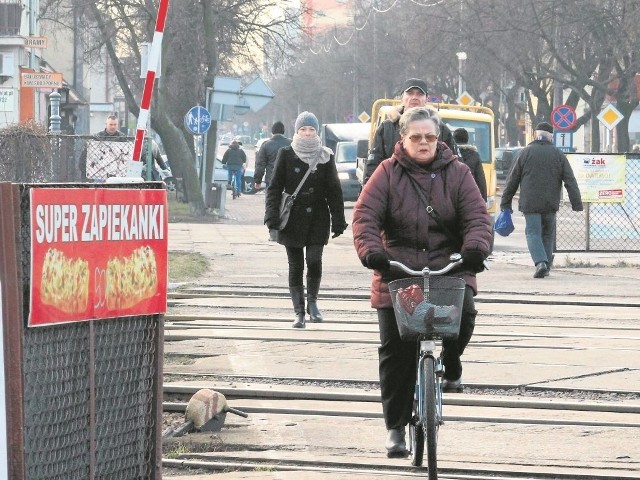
[(389, 217)]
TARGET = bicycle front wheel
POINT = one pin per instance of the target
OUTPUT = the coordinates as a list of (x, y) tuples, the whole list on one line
[(431, 423)]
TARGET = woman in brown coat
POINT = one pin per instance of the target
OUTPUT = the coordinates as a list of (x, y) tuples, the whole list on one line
[(390, 223)]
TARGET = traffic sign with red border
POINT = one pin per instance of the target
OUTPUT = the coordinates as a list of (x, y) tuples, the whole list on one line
[(563, 117)]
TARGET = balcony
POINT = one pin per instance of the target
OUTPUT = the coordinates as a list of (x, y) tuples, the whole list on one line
[(10, 16)]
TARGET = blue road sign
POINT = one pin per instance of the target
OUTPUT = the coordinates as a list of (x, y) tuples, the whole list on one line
[(197, 120), (563, 117)]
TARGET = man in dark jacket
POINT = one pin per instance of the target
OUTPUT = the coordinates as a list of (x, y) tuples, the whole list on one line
[(266, 159), (234, 158), (471, 158), (414, 94), (110, 133), (539, 171)]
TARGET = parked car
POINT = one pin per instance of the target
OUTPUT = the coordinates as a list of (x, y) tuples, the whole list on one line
[(259, 144), (504, 159), (244, 140), (346, 164)]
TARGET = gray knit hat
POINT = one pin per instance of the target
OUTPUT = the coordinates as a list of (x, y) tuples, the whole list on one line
[(307, 119)]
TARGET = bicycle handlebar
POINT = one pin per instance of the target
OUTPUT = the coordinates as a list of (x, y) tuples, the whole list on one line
[(456, 259)]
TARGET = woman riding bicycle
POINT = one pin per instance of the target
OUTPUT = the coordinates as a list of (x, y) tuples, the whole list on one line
[(391, 222)]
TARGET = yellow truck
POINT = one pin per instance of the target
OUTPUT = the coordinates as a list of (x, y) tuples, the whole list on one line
[(477, 120)]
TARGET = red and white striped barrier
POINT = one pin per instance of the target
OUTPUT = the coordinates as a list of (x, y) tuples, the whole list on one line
[(135, 166)]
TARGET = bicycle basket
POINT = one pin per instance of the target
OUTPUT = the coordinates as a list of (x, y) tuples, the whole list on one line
[(435, 317)]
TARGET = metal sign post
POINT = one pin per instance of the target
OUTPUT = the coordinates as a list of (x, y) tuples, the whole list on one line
[(198, 122)]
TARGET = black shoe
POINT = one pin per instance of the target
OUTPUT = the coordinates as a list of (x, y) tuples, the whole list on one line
[(452, 386), (299, 323), (315, 316), (542, 270), (395, 444)]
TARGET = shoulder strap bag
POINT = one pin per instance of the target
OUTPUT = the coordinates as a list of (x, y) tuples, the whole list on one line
[(455, 239), (286, 201)]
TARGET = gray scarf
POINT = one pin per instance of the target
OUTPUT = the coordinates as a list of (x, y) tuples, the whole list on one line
[(307, 149)]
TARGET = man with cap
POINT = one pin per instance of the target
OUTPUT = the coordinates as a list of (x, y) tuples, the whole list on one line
[(414, 94), (266, 159), (540, 170)]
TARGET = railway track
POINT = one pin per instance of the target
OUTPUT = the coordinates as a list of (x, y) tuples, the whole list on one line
[(537, 405)]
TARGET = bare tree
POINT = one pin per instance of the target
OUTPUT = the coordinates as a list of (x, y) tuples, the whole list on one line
[(202, 39)]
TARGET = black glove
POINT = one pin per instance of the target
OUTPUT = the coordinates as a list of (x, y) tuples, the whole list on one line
[(473, 260), (338, 230), (377, 261)]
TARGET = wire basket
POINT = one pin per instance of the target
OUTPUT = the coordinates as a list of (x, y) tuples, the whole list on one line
[(432, 312)]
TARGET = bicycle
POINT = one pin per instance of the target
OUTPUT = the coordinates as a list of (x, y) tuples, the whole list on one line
[(426, 313), (235, 192)]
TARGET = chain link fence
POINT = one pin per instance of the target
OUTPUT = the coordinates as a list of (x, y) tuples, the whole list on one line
[(604, 227), (27, 157), (91, 390)]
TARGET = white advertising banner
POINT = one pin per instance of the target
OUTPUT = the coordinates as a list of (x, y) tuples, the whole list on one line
[(601, 177)]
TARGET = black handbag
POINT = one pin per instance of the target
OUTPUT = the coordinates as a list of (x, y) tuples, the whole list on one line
[(286, 201)]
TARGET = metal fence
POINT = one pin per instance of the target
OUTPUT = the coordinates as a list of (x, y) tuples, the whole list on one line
[(33, 158), (604, 227), (90, 391)]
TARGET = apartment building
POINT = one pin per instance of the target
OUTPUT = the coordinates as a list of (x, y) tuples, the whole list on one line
[(38, 57)]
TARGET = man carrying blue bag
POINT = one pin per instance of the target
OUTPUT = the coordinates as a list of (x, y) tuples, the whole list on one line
[(539, 171)]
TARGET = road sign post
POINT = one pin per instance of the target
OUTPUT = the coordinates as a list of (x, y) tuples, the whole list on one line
[(563, 117), (198, 121)]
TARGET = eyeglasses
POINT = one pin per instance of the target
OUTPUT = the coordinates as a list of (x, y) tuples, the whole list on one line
[(429, 137)]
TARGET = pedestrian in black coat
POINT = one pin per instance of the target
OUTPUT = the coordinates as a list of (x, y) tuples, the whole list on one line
[(539, 171), (471, 158), (414, 94), (266, 160), (318, 209)]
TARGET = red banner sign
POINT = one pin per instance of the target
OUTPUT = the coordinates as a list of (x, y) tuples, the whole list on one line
[(97, 253)]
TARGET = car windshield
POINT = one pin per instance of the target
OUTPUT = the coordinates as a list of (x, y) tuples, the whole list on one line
[(479, 135), (346, 152)]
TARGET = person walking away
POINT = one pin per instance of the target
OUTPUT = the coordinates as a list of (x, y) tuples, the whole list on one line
[(235, 159), (539, 171), (266, 159), (390, 222), (414, 94), (471, 158), (317, 209)]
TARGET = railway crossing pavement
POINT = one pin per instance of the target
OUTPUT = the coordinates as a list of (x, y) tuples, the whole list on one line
[(581, 284)]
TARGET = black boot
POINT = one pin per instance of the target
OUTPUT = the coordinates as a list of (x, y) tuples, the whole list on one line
[(313, 287), (297, 297)]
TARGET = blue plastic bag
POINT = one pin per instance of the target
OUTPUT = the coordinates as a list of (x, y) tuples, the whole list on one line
[(504, 224)]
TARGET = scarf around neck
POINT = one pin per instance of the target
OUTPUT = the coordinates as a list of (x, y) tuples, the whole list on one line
[(307, 149)]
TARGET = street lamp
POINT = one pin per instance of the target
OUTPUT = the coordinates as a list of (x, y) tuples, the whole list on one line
[(462, 56)]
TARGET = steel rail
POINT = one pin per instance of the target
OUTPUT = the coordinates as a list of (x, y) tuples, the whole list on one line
[(181, 408), (224, 463)]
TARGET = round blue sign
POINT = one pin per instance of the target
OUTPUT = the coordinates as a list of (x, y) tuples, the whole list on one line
[(197, 120), (563, 117)]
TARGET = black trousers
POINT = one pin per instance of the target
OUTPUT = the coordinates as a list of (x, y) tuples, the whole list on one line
[(397, 361), (295, 256)]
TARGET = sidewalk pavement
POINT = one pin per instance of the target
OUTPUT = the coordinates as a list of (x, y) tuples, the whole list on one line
[(239, 251)]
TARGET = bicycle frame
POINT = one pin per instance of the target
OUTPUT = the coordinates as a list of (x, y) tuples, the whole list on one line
[(427, 348), (428, 397)]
